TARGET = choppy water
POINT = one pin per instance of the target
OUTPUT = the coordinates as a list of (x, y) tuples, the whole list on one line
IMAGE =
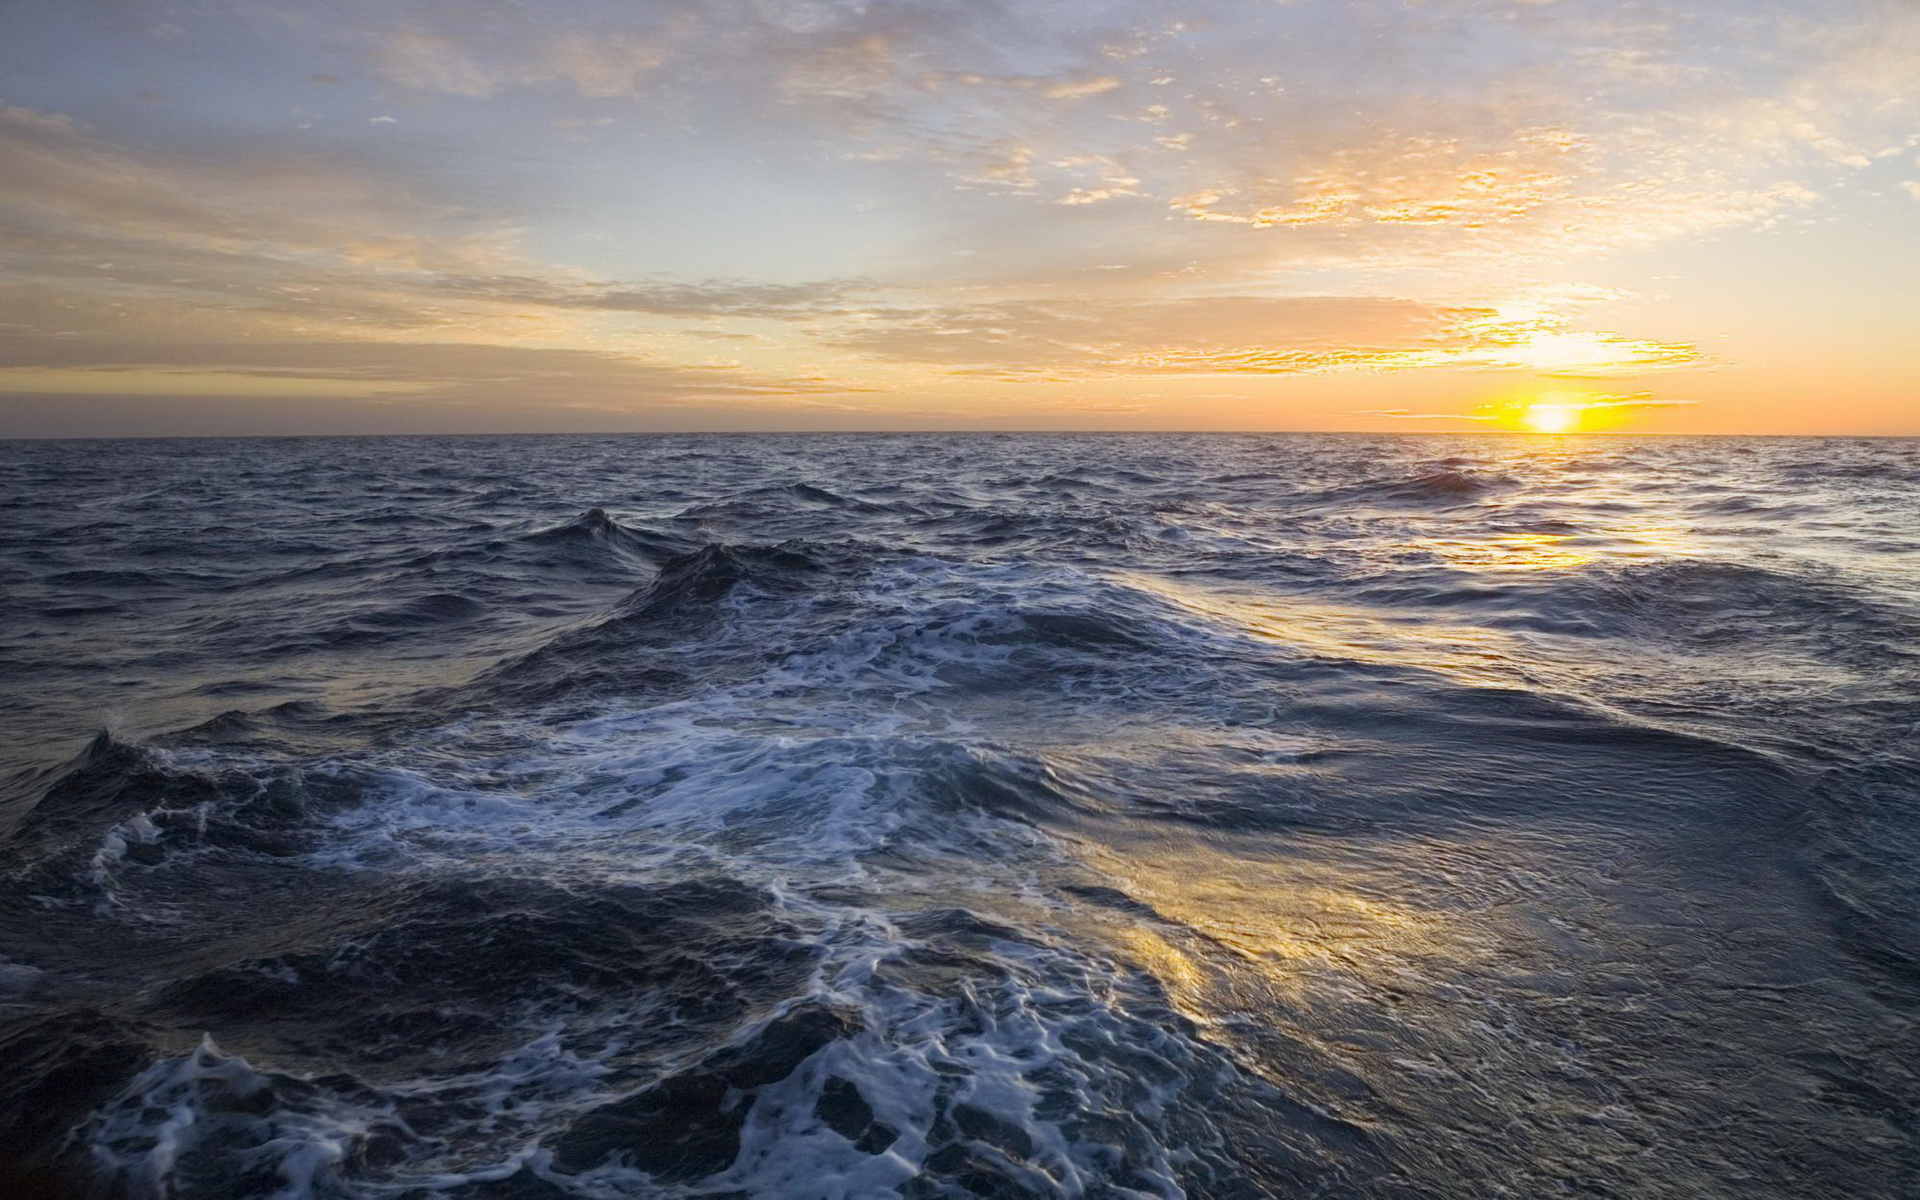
[(976, 815)]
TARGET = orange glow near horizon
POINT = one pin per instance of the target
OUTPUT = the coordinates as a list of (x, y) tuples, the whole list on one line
[(1557, 412), (1553, 418)]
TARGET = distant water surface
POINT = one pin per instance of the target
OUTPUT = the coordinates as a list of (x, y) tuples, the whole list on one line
[(1103, 816)]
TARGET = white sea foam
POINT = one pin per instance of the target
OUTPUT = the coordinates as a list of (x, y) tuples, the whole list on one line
[(208, 1103), (787, 781)]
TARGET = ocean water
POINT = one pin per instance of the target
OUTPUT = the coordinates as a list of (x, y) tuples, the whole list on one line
[(821, 816)]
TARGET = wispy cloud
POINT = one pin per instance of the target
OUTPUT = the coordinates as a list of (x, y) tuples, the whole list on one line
[(1251, 335), (1513, 412)]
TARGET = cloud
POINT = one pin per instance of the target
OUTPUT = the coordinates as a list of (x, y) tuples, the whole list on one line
[(427, 375), (1251, 336), (263, 233), (603, 66), (1077, 89), (478, 59), (706, 298), (1414, 181), (1348, 134), (417, 60), (1531, 337), (1056, 340), (72, 194), (129, 271), (1513, 412)]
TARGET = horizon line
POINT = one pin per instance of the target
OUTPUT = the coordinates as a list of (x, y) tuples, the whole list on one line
[(1075, 432)]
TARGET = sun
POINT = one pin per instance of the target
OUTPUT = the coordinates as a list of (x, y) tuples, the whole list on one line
[(1562, 410), (1552, 418)]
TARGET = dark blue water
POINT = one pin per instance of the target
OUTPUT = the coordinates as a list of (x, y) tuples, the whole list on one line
[(1105, 816)]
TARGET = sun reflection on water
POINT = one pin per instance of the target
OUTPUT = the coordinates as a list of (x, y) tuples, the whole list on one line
[(1304, 925), (1512, 552), (1467, 654)]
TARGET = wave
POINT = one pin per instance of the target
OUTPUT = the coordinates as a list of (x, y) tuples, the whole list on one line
[(1865, 843), (62, 1066), (120, 578), (1708, 604), (1021, 1084), (468, 958), (699, 579), (595, 528), (121, 809), (434, 611), (710, 1032), (608, 653), (779, 499), (1437, 486)]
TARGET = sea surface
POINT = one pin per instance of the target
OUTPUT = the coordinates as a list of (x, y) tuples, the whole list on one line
[(858, 816)]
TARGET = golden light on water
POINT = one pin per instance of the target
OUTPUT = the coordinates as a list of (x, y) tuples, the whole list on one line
[(1512, 552), (1469, 654)]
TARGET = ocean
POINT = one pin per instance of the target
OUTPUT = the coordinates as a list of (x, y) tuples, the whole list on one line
[(960, 815)]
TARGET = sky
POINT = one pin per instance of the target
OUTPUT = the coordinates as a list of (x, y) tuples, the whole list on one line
[(365, 216)]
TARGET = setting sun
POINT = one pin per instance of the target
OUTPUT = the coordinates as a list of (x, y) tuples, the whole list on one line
[(1552, 418), (1562, 410)]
